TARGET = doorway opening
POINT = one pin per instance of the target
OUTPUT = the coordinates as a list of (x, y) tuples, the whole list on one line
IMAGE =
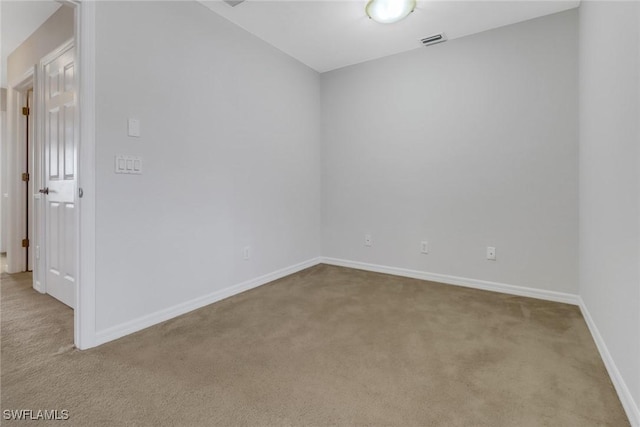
[(41, 151), (81, 220)]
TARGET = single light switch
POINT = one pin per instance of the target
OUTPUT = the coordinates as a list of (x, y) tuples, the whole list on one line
[(133, 127), (120, 164)]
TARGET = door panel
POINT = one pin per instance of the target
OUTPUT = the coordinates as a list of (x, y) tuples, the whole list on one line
[(60, 145), (69, 141)]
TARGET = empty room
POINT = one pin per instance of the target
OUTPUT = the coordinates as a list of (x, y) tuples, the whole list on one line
[(312, 213)]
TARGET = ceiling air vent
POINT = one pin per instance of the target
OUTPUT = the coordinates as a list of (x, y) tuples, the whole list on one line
[(233, 3), (436, 38)]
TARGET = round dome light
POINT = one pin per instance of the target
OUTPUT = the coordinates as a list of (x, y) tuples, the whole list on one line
[(389, 11)]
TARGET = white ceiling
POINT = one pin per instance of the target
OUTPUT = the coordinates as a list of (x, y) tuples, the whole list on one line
[(18, 20), (331, 34), (325, 34)]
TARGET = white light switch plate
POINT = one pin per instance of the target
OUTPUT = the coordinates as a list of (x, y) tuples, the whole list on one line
[(128, 164), (133, 127)]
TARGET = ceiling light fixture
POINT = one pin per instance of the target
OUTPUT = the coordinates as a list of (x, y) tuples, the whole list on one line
[(389, 11)]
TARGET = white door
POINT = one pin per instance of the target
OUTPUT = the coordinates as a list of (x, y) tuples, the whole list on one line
[(60, 156)]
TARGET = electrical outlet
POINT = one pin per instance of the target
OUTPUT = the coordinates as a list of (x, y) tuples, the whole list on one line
[(491, 253), (246, 253), (368, 240), (424, 247)]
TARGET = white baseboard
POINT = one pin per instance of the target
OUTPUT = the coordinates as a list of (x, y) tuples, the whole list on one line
[(626, 398), (37, 285), (459, 281), (143, 322)]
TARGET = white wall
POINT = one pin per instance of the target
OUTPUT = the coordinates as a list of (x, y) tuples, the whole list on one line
[(609, 179), (467, 144), (231, 152)]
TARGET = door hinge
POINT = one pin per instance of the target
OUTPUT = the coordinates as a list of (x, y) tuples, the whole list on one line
[(25, 111), (25, 243), (25, 177)]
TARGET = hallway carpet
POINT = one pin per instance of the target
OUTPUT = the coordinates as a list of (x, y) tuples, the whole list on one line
[(326, 346)]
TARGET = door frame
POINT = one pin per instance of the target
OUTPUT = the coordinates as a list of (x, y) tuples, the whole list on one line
[(16, 211), (27, 218), (31, 138), (84, 38)]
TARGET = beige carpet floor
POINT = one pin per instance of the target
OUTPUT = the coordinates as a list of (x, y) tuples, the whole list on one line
[(326, 346)]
